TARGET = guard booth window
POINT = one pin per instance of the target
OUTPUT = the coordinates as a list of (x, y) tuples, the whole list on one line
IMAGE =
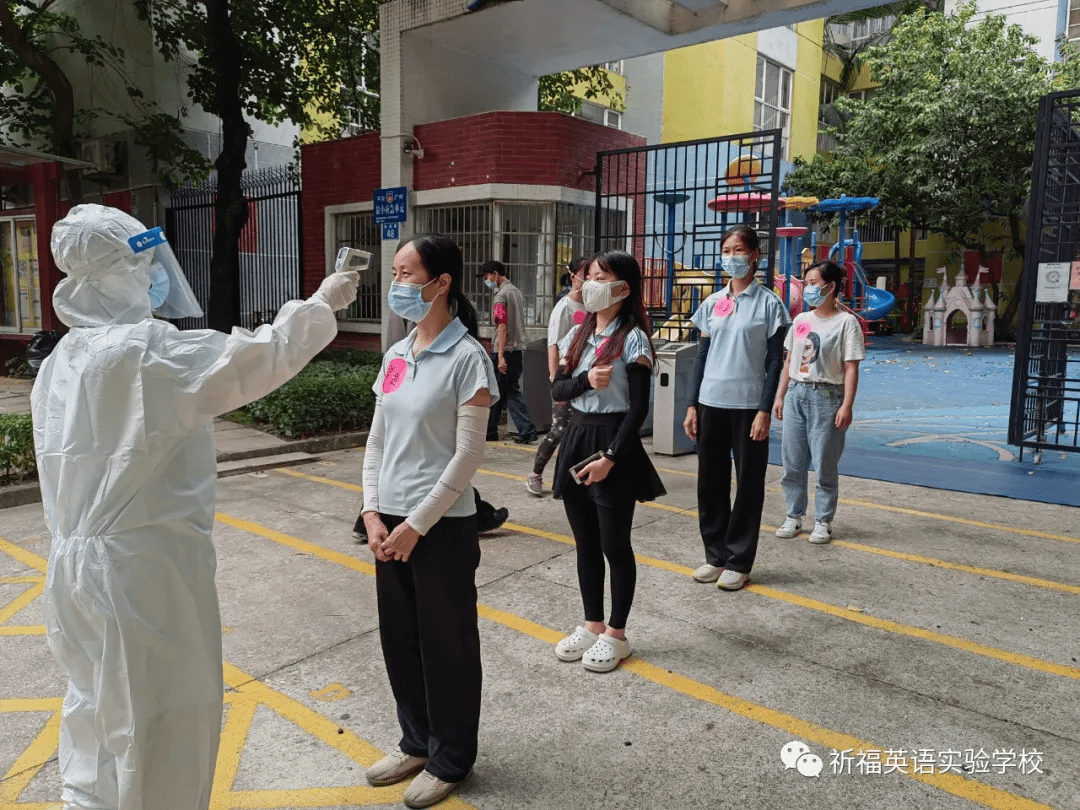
[(359, 230), (20, 284)]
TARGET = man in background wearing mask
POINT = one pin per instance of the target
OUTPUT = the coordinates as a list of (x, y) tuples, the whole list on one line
[(508, 312), (123, 411)]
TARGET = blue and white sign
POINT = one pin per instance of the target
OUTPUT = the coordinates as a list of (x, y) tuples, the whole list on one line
[(390, 230), (391, 204), (145, 241)]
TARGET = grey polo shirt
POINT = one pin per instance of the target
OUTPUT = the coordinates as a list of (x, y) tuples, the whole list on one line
[(616, 397), (739, 329), (420, 395), (508, 306)]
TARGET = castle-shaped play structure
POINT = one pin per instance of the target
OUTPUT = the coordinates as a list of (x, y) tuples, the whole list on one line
[(975, 303)]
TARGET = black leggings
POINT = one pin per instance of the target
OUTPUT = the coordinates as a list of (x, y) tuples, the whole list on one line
[(599, 532)]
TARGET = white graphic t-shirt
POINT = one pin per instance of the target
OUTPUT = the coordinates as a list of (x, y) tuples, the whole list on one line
[(819, 347)]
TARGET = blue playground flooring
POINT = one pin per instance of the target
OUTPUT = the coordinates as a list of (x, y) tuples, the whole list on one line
[(938, 417)]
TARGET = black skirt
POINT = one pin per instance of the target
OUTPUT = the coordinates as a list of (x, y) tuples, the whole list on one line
[(633, 478)]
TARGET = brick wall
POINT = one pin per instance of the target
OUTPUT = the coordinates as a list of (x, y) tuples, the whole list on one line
[(533, 148), (333, 173)]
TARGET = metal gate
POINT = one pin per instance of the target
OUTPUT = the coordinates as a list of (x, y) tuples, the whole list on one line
[(270, 265), (670, 204), (1045, 408)]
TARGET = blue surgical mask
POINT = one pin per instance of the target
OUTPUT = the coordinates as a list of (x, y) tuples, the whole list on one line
[(736, 266), (489, 284), (159, 286), (407, 300), (811, 295)]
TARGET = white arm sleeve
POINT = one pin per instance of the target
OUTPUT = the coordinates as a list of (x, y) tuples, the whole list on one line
[(373, 462), (471, 436)]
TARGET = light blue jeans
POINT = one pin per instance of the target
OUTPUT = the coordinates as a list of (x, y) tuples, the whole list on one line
[(810, 433)]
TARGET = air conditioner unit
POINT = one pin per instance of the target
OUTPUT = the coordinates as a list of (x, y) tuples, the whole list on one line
[(102, 155)]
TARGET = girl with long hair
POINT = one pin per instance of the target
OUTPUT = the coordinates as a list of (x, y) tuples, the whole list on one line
[(740, 354), (605, 375), (426, 442)]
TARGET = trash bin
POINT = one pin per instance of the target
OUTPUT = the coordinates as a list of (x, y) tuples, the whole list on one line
[(536, 384), (675, 366)]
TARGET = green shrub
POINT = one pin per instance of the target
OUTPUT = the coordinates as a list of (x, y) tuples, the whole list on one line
[(349, 357), (16, 448), (326, 397)]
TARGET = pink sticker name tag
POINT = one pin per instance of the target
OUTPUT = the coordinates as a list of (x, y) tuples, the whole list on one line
[(724, 307), (802, 329), (579, 317), (395, 376)]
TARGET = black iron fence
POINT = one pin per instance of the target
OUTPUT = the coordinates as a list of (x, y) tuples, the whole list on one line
[(670, 204), (270, 244), (1045, 408)]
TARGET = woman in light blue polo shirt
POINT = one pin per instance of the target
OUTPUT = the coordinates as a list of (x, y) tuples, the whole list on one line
[(740, 356), (427, 435), (605, 376)]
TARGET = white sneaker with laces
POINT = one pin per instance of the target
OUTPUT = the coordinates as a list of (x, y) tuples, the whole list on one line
[(393, 768), (790, 528), (707, 573), (732, 580), (822, 533), (535, 484), (574, 645)]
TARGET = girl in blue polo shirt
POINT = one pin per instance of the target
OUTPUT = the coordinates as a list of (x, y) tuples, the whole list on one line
[(427, 436), (740, 356), (605, 376)]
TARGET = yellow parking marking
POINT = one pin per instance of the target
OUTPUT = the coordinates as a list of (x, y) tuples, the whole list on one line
[(332, 693), (21, 601), (32, 759), (22, 630), (246, 696), (915, 558), (950, 783), (321, 479), (885, 625), (1001, 527)]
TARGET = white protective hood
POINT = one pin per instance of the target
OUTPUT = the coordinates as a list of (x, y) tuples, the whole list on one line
[(123, 411)]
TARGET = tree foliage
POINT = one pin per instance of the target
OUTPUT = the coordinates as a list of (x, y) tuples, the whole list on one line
[(566, 92), (40, 48), (947, 139)]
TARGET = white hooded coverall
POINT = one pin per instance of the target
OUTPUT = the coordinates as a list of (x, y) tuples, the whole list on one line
[(123, 411)]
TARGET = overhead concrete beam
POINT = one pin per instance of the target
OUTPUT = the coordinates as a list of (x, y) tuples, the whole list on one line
[(669, 17)]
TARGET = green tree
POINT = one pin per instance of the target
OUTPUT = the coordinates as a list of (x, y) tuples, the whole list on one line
[(40, 47), (950, 132), (565, 92)]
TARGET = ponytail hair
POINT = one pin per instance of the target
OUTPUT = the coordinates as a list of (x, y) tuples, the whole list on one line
[(440, 254)]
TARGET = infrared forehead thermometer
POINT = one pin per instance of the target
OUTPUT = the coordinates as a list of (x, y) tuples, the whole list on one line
[(350, 259)]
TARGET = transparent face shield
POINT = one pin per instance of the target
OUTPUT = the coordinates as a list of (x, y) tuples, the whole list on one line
[(170, 294)]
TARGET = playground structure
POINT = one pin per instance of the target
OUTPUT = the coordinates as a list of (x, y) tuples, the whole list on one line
[(974, 303)]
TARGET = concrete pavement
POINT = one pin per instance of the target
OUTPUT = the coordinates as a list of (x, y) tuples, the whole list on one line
[(937, 634)]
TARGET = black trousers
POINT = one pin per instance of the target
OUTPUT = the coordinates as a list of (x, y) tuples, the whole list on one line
[(599, 532), (730, 533), (431, 644), (510, 396)]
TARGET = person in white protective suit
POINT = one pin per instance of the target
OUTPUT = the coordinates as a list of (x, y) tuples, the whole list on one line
[(123, 411)]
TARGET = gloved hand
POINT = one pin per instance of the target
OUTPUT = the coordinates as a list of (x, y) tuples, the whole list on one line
[(338, 290)]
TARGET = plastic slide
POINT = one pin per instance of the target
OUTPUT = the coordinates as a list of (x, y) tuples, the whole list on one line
[(876, 303)]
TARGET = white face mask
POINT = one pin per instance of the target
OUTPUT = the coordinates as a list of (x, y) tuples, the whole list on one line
[(599, 295)]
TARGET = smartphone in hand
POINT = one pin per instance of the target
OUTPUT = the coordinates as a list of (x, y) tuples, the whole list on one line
[(577, 469)]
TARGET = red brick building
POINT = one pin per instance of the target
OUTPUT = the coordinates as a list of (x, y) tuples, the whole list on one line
[(514, 186)]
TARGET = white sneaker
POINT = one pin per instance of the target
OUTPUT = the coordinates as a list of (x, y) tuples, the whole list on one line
[(535, 484), (574, 645), (732, 580), (790, 528), (427, 789), (393, 768), (708, 573), (822, 532), (606, 653)]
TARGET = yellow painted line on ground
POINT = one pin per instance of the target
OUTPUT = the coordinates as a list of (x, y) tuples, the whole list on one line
[(950, 783), (52, 704), (22, 601), (31, 760), (19, 580), (885, 625), (915, 558), (297, 543), (27, 558), (22, 630), (320, 479)]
